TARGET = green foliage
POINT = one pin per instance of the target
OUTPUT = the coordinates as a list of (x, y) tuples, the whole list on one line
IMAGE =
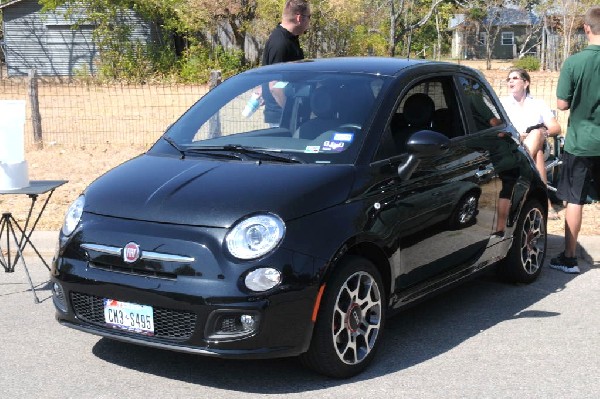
[(528, 63), (363, 42), (269, 10), (338, 28), (423, 41), (136, 62), (477, 14), (199, 61)]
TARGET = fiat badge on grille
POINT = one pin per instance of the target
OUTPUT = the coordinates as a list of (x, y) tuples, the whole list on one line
[(131, 252)]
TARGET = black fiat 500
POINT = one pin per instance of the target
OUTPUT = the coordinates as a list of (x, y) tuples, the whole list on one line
[(296, 206)]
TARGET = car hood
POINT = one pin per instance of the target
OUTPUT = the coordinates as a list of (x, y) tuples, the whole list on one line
[(215, 193)]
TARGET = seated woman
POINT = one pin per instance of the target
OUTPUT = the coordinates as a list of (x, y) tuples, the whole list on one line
[(532, 118)]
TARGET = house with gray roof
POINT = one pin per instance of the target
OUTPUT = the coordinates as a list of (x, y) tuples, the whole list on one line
[(516, 30)]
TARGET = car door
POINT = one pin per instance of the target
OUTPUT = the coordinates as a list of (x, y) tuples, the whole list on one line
[(441, 217)]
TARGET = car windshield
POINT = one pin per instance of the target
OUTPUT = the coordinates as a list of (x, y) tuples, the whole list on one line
[(299, 116)]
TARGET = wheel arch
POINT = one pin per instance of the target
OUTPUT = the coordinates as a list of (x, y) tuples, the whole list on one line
[(370, 251), (538, 193)]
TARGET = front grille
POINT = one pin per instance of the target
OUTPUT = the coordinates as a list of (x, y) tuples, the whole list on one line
[(136, 271), (168, 323)]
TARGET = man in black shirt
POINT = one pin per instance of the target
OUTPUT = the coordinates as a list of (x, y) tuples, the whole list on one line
[(283, 46)]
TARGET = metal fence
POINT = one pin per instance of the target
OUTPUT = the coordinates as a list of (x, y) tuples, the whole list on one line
[(80, 113), (542, 87), (84, 113)]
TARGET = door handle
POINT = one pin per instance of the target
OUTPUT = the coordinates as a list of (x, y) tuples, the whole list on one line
[(484, 172)]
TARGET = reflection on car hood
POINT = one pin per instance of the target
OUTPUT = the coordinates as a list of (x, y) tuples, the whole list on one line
[(215, 193)]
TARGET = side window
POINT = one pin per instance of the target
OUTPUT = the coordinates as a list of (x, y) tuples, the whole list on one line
[(428, 105), (481, 112), (482, 39)]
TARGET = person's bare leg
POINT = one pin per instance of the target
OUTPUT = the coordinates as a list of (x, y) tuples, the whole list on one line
[(573, 219), (534, 142), (503, 208), (540, 164)]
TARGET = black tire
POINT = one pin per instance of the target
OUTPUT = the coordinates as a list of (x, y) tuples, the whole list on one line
[(525, 258), (350, 321), (465, 212)]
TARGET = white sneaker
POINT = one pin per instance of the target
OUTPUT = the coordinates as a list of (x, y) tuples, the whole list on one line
[(566, 269)]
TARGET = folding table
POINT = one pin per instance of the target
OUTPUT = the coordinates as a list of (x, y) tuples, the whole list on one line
[(21, 236)]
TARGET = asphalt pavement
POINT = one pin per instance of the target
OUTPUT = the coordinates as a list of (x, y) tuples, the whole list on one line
[(483, 339)]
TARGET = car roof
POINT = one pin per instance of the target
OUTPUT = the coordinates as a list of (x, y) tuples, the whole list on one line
[(371, 65)]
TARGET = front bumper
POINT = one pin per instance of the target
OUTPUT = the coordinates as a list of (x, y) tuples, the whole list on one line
[(190, 323), (197, 306)]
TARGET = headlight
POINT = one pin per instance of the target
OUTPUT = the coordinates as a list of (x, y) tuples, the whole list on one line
[(256, 236), (73, 216)]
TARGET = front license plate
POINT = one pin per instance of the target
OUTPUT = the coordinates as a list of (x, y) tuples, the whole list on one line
[(129, 316)]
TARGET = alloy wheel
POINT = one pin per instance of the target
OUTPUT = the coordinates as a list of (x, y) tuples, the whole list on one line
[(533, 238), (468, 210), (356, 318)]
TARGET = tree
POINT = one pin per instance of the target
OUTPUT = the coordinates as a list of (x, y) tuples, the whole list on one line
[(119, 56), (571, 12), (532, 38), (332, 27), (484, 17), (432, 39), (199, 35), (406, 16)]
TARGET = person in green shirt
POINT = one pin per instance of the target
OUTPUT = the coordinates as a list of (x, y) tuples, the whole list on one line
[(578, 90)]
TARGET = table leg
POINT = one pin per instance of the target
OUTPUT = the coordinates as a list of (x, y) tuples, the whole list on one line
[(7, 227), (26, 237), (4, 229)]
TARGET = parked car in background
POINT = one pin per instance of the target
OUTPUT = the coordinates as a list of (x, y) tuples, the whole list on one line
[(236, 238)]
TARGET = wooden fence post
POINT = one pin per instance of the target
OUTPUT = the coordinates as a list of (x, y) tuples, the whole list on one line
[(215, 79), (214, 127), (36, 118)]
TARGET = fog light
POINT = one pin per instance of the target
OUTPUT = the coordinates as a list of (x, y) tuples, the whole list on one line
[(248, 322), (225, 325), (263, 279), (58, 297)]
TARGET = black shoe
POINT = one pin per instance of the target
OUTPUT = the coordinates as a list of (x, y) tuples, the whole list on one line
[(565, 264)]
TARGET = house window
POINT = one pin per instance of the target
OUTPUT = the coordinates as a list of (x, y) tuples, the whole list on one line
[(508, 38), (482, 39)]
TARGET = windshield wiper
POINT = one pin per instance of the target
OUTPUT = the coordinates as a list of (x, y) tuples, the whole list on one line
[(183, 151), (272, 154), (174, 145)]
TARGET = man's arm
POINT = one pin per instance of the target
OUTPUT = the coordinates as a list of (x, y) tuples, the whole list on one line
[(277, 93), (562, 104), (564, 87)]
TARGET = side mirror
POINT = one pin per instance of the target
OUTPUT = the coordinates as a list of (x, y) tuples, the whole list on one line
[(424, 143)]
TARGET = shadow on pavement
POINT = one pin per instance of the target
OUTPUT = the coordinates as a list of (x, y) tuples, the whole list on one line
[(414, 336)]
